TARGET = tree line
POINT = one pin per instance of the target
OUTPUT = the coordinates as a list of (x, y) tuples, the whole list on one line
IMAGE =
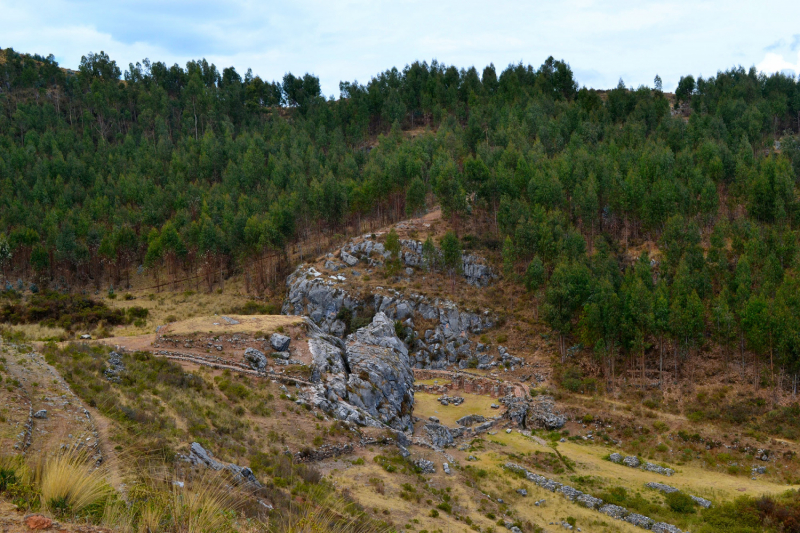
[(175, 171)]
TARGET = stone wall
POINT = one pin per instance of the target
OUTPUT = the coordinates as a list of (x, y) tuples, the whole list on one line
[(470, 384)]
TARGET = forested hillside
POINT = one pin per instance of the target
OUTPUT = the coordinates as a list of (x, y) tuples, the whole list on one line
[(176, 171)]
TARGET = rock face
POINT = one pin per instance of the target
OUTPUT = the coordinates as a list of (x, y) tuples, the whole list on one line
[(279, 343), (256, 359), (438, 435), (326, 302), (366, 379), (543, 414)]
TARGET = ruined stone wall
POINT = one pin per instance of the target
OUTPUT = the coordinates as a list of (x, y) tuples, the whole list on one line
[(459, 381)]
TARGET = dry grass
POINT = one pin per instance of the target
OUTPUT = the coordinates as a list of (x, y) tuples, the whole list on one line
[(247, 324), (37, 332), (425, 405), (67, 480)]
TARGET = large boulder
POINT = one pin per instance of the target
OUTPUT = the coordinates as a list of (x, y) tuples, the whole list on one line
[(365, 379), (279, 343), (256, 359), (438, 435), (542, 414)]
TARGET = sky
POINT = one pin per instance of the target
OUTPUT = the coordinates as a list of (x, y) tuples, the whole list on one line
[(603, 41)]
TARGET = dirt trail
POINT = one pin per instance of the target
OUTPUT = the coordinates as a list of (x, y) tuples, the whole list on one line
[(55, 417)]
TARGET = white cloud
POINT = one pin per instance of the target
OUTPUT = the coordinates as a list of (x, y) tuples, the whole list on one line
[(773, 62), (602, 40)]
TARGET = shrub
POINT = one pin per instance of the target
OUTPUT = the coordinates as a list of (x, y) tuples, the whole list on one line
[(680, 502)]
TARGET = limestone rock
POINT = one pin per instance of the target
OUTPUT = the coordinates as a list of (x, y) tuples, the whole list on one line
[(42, 413), (631, 461), (438, 435), (543, 414), (639, 520), (366, 379), (615, 458), (279, 343), (255, 358), (425, 466), (663, 527), (351, 260), (702, 502), (614, 511), (666, 489), (470, 420)]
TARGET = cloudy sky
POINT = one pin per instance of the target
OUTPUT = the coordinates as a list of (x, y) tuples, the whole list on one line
[(603, 41)]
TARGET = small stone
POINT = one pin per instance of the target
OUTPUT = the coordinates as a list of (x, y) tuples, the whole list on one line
[(446, 468), (38, 521), (433, 419), (86, 337), (508, 431), (522, 492), (40, 414)]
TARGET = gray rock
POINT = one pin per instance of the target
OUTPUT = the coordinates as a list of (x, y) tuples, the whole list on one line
[(615, 458), (439, 435), (663, 527), (702, 502), (42, 413), (639, 520), (470, 420), (230, 321), (351, 260), (279, 343), (589, 501), (759, 470), (614, 511), (666, 489), (650, 467), (569, 492), (542, 413), (425, 466), (631, 461), (256, 359), (199, 455), (367, 379), (522, 492), (446, 468)]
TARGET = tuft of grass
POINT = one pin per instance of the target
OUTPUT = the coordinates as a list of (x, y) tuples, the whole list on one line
[(67, 484)]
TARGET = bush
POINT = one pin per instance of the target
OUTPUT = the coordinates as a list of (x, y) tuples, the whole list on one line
[(680, 502)]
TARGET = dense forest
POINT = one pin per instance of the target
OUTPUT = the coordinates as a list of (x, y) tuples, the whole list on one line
[(175, 171)]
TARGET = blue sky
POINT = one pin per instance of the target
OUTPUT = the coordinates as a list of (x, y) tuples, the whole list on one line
[(355, 39)]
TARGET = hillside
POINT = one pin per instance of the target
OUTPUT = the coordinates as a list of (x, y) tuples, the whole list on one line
[(442, 301)]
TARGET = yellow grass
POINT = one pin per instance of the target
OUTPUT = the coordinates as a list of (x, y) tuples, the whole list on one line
[(425, 405), (247, 324), (37, 332), (68, 477)]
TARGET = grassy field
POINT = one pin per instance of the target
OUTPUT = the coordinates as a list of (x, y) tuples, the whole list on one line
[(425, 405)]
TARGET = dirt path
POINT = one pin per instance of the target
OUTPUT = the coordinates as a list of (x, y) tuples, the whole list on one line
[(55, 417)]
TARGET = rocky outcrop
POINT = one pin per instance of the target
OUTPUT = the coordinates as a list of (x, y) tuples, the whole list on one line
[(542, 413), (469, 420), (199, 456), (438, 435), (366, 379), (323, 300), (255, 358)]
